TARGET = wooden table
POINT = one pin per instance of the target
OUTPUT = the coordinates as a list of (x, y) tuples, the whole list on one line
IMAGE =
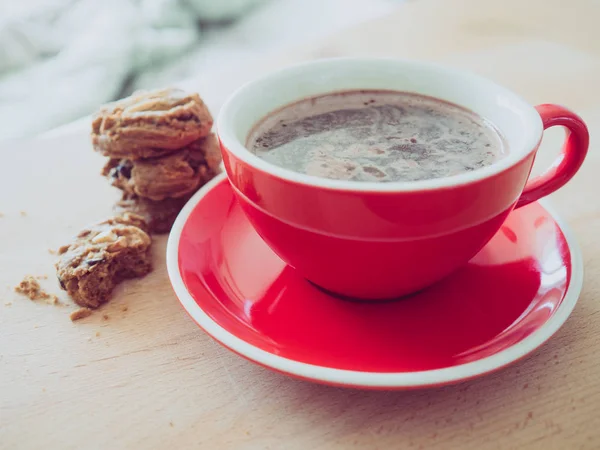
[(149, 378)]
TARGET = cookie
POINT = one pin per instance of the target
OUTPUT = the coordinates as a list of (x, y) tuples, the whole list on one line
[(102, 256), (150, 124), (172, 176), (159, 215)]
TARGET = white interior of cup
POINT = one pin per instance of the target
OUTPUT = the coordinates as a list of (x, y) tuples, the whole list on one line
[(518, 121)]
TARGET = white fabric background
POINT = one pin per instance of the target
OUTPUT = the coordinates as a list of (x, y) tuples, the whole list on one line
[(61, 59)]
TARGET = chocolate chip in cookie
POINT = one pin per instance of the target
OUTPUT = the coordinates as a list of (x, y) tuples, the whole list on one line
[(102, 256)]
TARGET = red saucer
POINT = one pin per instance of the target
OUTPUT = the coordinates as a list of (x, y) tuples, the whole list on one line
[(512, 297)]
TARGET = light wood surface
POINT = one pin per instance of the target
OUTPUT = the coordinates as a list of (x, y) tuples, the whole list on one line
[(149, 378)]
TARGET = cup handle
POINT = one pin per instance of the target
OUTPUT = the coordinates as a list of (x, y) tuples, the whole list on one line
[(570, 159)]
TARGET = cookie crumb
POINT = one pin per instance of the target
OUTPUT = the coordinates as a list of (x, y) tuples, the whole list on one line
[(124, 308), (23, 213), (1, 215), (105, 317), (7, 303), (80, 313), (43, 389), (171, 424), (52, 251), (31, 288), (97, 333)]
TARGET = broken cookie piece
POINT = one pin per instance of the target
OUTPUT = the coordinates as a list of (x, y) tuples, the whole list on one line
[(150, 124), (102, 256), (171, 176)]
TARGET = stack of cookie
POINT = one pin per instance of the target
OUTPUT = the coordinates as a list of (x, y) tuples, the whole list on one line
[(160, 149)]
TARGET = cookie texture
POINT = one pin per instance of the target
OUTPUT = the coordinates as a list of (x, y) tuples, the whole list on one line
[(171, 176), (150, 124), (159, 215), (102, 256)]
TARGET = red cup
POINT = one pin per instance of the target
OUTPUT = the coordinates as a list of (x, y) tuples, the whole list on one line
[(373, 240)]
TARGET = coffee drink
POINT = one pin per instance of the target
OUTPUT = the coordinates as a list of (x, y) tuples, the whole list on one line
[(375, 135)]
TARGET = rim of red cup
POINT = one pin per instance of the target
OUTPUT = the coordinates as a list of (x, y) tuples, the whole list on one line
[(314, 78), (351, 378)]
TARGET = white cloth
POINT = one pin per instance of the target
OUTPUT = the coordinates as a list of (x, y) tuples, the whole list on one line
[(60, 59)]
